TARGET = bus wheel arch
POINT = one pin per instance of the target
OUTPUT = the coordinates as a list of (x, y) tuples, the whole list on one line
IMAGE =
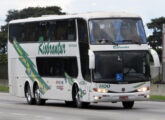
[(76, 97), (28, 93)]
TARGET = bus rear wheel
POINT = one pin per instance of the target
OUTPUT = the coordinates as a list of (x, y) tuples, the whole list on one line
[(37, 96), (128, 104), (28, 95)]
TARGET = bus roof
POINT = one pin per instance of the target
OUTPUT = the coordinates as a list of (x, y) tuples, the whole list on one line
[(89, 15)]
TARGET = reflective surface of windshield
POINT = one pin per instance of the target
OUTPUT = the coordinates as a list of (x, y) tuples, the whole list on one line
[(114, 67), (117, 31)]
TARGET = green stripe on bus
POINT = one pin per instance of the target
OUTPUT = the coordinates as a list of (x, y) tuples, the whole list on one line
[(71, 82), (139, 85), (30, 70)]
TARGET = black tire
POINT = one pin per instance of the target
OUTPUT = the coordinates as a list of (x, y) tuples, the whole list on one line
[(37, 96), (69, 103), (28, 96), (128, 104), (76, 99)]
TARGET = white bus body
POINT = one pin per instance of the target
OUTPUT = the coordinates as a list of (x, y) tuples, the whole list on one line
[(64, 58)]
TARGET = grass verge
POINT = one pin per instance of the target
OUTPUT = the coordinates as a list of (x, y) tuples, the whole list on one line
[(157, 98), (4, 89)]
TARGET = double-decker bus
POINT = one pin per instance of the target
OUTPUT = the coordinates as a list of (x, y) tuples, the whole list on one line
[(80, 59)]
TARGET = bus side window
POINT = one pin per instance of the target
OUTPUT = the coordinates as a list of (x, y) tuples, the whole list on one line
[(65, 30), (51, 31), (82, 30), (43, 30), (83, 46), (57, 66), (15, 32)]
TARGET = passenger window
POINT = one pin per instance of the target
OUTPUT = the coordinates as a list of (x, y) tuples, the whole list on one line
[(60, 30), (57, 66), (83, 47), (65, 30), (82, 30)]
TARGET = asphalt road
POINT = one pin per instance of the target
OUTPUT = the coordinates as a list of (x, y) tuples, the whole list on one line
[(13, 108)]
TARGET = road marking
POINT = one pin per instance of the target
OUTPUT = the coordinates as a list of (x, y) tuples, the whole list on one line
[(19, 114), (44, 117)]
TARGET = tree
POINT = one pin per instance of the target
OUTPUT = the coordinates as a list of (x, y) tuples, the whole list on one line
[(155, 40), (25, 13), (3, 42), (33, 12)]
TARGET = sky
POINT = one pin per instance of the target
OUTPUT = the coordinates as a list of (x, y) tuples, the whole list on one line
[(147, 9)]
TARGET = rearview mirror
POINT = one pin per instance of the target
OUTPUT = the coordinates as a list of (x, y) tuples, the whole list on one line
[(155, 58), (91, 59)]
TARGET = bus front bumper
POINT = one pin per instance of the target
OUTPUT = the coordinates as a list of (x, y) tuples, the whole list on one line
[(119, 97)]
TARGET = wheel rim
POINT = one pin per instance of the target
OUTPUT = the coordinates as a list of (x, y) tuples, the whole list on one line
[(77, 97), (37, 94), (28, 94)]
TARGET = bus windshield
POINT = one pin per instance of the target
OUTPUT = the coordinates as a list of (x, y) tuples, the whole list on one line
[(117, 31), (121, 67)]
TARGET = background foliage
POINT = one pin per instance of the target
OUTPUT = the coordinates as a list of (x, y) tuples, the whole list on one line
[(155, 40), (20, 14)]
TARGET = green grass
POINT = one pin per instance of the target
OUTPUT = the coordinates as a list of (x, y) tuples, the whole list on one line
[(157, 97), (4, 89)]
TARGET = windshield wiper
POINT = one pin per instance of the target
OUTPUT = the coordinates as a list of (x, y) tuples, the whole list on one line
[(106, 41), (133, 41), (135, 76)]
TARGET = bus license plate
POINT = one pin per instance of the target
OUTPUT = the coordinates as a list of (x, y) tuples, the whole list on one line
[(123, 97)]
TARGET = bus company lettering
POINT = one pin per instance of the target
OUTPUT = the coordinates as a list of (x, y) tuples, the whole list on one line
[(48, 48), (120, 47)]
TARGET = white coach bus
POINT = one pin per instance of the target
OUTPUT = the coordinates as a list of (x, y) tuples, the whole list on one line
[(80, 59)]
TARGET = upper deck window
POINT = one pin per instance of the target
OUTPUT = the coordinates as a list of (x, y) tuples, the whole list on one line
[(54, 30), (117, 31)]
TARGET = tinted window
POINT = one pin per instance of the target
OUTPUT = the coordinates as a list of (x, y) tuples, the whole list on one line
[(84, 46), (82, 30), (125, 67), (27, 32), (64, 30), (57, 67), (16, 32)]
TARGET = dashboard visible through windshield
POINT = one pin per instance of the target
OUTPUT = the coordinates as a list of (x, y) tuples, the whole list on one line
[(117, 31), (121, 67)]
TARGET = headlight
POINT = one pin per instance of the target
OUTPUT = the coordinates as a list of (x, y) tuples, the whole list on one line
[(100, 90), (143, 89)]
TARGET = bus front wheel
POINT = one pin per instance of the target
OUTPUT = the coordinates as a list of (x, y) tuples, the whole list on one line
[(37, 96), (128, 104), (77, 100)]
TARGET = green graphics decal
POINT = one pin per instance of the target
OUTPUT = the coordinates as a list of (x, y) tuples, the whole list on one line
[(46, 48), (139, 85), (71, 82), (120, 47), (30, 70)]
